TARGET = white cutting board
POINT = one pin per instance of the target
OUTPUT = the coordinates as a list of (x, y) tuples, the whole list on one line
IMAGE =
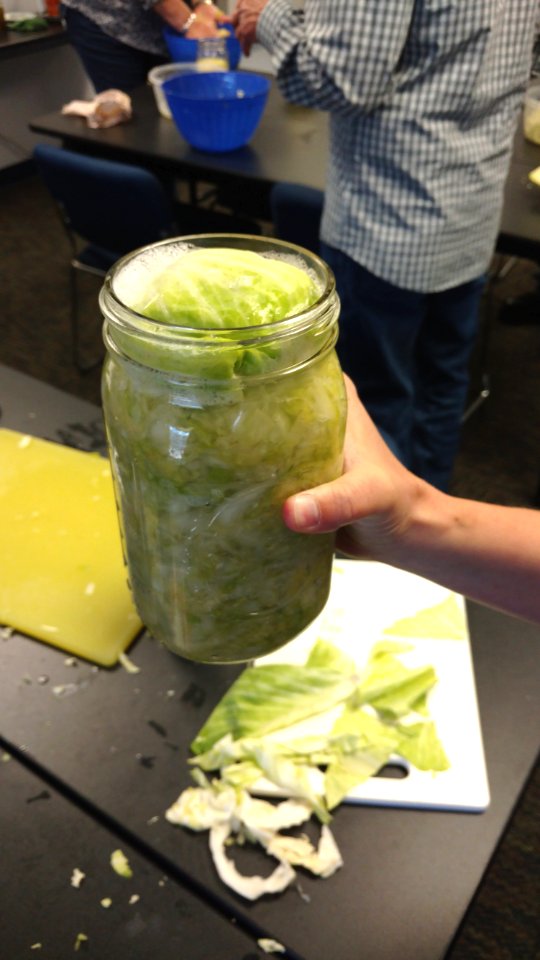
[(366, 601)]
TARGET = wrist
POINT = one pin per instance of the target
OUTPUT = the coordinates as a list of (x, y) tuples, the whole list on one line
[(431, 522)]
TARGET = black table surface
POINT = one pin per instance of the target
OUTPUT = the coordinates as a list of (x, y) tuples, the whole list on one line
[(14, 43), (149, 915), (118, 743), (291, 143)]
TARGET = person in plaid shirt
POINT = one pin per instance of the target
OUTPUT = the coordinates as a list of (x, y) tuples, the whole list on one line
[(423, 97)]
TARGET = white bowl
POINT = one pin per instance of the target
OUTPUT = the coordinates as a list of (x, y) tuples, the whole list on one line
[(157, 77)]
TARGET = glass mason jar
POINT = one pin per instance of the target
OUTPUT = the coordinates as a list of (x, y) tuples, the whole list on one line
[(209, 432), (212, 55)]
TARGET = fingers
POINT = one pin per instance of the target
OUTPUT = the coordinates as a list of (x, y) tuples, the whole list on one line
[(324, 508), (209, 19), (244, 19), (245, 38), (245, 42)]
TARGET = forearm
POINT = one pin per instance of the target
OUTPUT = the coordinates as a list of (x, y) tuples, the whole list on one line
[(383, 512), (487, 552)]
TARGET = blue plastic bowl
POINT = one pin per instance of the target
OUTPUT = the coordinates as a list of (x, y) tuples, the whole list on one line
[(217, 112), (182, 50)]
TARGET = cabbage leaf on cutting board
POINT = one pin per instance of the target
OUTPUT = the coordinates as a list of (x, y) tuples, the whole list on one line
[(247, 735), (255, 734)]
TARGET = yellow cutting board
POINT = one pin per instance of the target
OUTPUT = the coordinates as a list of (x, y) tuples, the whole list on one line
[(62, 575)]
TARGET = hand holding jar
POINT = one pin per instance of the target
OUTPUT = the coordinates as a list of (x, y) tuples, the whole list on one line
[(204, 21)]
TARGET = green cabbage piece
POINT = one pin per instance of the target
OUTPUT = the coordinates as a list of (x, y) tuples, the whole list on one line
[(217, 294), (268, 697), (362, 744), (225, 288), (391, 688), (292, 778), (326, 655), (321, 769), (420, 745)]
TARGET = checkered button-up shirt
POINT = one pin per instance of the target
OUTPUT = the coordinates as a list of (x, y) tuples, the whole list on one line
[(424, 96)]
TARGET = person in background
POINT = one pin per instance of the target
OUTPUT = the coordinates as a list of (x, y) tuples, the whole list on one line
[(383, 512), (119, 42), (423, 97)]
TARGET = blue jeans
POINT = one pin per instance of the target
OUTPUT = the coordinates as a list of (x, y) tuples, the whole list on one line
[(408, 354), (109, 63)]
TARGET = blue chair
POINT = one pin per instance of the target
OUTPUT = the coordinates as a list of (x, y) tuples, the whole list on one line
[(296, 214), (109, 209)]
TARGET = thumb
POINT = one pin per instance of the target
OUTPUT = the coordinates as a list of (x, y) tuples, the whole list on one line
[(324, 508)]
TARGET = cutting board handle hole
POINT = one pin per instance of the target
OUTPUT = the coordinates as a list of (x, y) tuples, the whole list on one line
[(393, 771)]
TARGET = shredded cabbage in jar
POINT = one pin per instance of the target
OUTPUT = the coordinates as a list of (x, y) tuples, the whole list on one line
[(203, 466)]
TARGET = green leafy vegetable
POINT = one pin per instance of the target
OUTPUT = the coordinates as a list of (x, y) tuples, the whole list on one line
[(326, 655), (422, 747), (247, 740), (241, 738), (361, 744), (120, 864), (213, 288), (392, 688), (28, 25), (269, 697)]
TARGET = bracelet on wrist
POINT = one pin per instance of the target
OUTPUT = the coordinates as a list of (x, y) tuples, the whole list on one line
[(188, 23)]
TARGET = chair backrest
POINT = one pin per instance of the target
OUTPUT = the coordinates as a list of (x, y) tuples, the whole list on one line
[(296, 214), (113, 205)]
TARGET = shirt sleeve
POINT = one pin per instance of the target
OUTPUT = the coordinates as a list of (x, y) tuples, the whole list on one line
[(338, 55)]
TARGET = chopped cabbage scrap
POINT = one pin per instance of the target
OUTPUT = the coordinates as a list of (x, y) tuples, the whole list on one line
[(128, 664), (444, 620), (251, 887), (120, 864), (370, 718), (322, 860), (77, 877), (270, 946), (232, 815), (200, 808)]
